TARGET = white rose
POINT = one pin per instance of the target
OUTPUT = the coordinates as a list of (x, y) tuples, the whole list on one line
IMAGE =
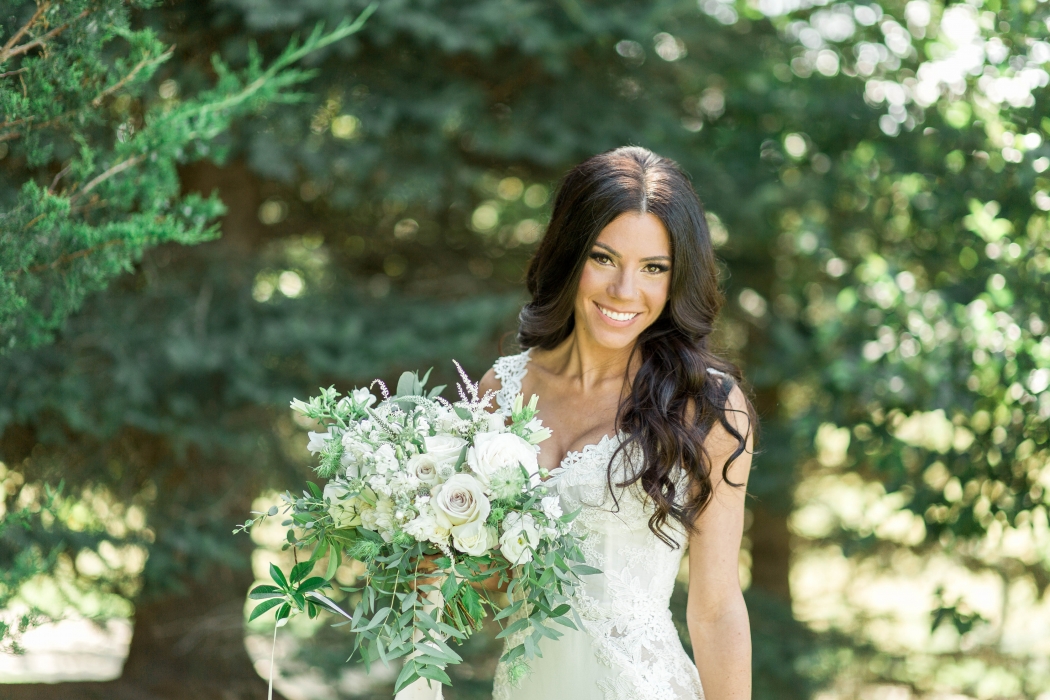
[(495, 451), (425, 527), (317, 441), (386, 459), (459, 500), (424, 468), (474, 538), (445, 449), (520, 537), (344, 509)]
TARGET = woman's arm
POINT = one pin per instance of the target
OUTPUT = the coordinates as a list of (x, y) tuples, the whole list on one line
[(716, 613)]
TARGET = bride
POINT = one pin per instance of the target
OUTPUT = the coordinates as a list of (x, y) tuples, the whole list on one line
[(651, 437)]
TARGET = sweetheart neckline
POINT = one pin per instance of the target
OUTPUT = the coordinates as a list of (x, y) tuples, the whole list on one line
[(589, 447)]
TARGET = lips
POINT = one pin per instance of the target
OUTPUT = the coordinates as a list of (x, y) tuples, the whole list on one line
[(616, 315)]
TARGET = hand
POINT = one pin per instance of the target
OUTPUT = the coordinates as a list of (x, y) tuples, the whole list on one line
[(427, 564)]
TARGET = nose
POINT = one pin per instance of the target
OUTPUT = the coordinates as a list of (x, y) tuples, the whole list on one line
[(623, 286)]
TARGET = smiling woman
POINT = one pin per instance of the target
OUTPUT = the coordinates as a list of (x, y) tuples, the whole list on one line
[(651, 435)]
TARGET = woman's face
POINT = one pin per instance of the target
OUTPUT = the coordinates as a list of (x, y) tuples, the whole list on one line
[(625, 280)]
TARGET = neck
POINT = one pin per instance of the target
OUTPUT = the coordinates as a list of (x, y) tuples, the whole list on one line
[(582, 360)]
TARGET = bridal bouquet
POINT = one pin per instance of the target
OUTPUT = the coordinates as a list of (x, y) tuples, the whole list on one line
[(438, 501)]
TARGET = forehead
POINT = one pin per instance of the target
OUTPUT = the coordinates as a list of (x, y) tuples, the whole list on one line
[(637, 235)]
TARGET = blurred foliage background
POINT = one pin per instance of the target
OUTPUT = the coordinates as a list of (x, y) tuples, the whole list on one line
[(187, 243)]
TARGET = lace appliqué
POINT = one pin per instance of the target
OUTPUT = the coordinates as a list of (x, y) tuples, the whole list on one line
[(510, 371)]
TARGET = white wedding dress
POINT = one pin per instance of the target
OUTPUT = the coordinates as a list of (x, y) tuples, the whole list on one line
[(629, 649)]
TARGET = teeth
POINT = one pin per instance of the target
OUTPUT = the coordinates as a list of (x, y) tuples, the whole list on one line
[(615, 316)]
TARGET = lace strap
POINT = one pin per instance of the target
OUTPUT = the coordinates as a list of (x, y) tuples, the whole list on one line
[(510, 371)]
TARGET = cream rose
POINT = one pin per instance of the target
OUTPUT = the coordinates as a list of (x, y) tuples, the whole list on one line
[(424, 468), (520, 537), (495, 451), (445, 449), (474, 538), (459, 500)]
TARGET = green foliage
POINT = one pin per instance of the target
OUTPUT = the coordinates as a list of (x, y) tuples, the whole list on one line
[(101, 158)]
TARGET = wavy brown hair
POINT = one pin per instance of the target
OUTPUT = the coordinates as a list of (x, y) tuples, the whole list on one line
[(674, 402)]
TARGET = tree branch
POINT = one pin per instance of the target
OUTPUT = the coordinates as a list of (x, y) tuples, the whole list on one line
[(97, 102), (116, 169), (29, 46), (70, 257), (5, 52)]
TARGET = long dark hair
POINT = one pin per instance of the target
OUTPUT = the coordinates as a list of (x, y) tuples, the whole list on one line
[(674, 401)]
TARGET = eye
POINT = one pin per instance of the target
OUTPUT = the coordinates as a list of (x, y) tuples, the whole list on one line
[(601, 258), (656, 268)]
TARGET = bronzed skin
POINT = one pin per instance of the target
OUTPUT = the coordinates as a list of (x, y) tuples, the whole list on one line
[(580, 384)]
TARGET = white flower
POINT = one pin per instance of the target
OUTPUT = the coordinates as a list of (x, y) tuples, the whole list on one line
[(380, 519), (551, 506), (317, 441), (424, 468), (445, 449), (474, 538), (495, 451), (344, 508), (363, 397), (447, 421), (425, 527), (496, 423), (520, 537), (386, 459), (356, 453), (537, 433), (460, 500)]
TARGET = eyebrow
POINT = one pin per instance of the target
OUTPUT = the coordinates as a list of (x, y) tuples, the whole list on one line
[(655, 258)]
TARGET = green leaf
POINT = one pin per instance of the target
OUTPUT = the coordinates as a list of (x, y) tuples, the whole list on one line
[(300, 570), (263, 607), (407, 385), (435, 673), (584, 570), (333, 564), (278, 577), (311, 584), (509, 610), (449, 587), (407, 676), (462, 412), (516, 626)]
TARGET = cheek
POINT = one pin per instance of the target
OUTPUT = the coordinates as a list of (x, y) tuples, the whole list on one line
[(658, 292), (591, 283)]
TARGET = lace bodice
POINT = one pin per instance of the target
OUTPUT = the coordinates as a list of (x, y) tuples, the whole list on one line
[(624, 608)]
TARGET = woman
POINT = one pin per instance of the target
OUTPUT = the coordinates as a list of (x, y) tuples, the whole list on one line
[(651, 436)]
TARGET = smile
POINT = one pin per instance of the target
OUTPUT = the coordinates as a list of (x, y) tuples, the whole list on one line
[(616, 316)]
